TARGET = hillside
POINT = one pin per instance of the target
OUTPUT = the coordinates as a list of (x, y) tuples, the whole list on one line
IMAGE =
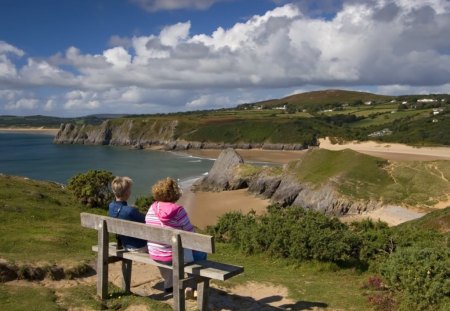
[(437, 220), (321, 99), (336, 182), (42, 238), (277, 125), (43, 219), (48, 122)]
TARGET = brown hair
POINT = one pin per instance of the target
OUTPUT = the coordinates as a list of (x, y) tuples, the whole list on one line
[(121, 185), (166, 190)]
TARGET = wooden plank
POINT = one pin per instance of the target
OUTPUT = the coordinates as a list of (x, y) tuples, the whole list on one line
[(192, 240), (208, 269), (203, 293), (102, 261), (127, 266), (178, 273), (213, 270)]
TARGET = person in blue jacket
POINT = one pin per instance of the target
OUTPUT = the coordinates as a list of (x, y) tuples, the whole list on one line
[(121, 187)]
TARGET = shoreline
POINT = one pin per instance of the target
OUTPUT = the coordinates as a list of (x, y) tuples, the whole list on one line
[(251, 155), (30, 130)]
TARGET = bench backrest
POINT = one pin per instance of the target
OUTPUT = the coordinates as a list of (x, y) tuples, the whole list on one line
[(191, 240)]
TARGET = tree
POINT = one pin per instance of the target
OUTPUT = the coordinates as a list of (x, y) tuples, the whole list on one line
[(92, 188)]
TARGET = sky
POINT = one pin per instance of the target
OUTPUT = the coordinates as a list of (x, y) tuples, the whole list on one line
[(81, 57)]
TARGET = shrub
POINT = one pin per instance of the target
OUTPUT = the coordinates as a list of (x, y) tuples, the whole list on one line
[(372, 239), (92, 188), (421, 274), (286, 232), (143, 203)]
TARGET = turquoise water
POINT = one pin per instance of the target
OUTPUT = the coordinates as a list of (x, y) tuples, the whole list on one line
[(36, 157)]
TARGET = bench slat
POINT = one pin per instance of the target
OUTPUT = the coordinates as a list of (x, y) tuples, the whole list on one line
[(192, 240), (205, 268)]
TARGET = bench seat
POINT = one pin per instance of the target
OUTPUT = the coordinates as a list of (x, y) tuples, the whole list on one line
[(205, 268)]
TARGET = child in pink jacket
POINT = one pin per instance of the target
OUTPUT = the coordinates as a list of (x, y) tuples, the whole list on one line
[(164, 212)]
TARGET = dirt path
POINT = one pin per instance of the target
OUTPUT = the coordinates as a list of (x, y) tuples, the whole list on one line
[(146, 281)]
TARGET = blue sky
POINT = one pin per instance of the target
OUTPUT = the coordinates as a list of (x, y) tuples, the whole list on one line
[(79, 57)]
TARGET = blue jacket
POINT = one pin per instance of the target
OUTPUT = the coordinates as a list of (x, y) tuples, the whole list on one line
[(120, 209)]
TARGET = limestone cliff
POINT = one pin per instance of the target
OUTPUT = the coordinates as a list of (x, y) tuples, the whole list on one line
[(126, 133), (143, 132)]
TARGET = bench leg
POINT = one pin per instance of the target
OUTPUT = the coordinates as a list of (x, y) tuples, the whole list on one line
[(127, 265), (178, 273), (202, 295), (102, 261)]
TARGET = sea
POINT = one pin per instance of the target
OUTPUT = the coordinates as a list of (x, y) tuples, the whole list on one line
[(35, 156)]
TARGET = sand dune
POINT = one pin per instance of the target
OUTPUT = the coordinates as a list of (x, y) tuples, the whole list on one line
[(391, 151)]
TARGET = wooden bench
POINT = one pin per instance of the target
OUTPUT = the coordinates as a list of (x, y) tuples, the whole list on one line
[(201, 272)]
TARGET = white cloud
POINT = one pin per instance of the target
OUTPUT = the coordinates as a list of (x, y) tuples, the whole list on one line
[(50, 105), (157, 5), (7, 68), (23, 104), (397, 89), (117, 56), (392, 44), (210, 101), (8, 48), (80, 100), (171, 35)]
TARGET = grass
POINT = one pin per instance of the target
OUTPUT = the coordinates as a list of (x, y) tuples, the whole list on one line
[(41, 222), (309, 284), (365, 177), (438, 220), (33, 298), (32, 208)]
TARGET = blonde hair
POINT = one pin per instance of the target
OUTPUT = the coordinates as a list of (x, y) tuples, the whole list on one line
[(121, 185), (166, 190)]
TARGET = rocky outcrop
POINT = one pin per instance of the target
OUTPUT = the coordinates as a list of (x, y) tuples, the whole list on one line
[(282, 188), (222, 175)]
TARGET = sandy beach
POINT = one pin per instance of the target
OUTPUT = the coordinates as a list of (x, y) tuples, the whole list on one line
[(30, 130), (204, 208), (391, 151)]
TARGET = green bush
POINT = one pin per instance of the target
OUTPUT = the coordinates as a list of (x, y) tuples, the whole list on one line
[(421, 274), (286, 232), (143, 203), (371, 240), (92, 188)]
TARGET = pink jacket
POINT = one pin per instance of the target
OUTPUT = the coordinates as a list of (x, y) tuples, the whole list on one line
[(166, 214)]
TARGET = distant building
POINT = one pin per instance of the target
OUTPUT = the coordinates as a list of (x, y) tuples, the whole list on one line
[(426, 100), (437, 110), (383, 132), (280, 108), (368, 103), (435, 121)]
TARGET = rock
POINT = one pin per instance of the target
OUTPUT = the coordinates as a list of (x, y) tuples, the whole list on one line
[(287, 191), (222, 175), (264, 185)]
